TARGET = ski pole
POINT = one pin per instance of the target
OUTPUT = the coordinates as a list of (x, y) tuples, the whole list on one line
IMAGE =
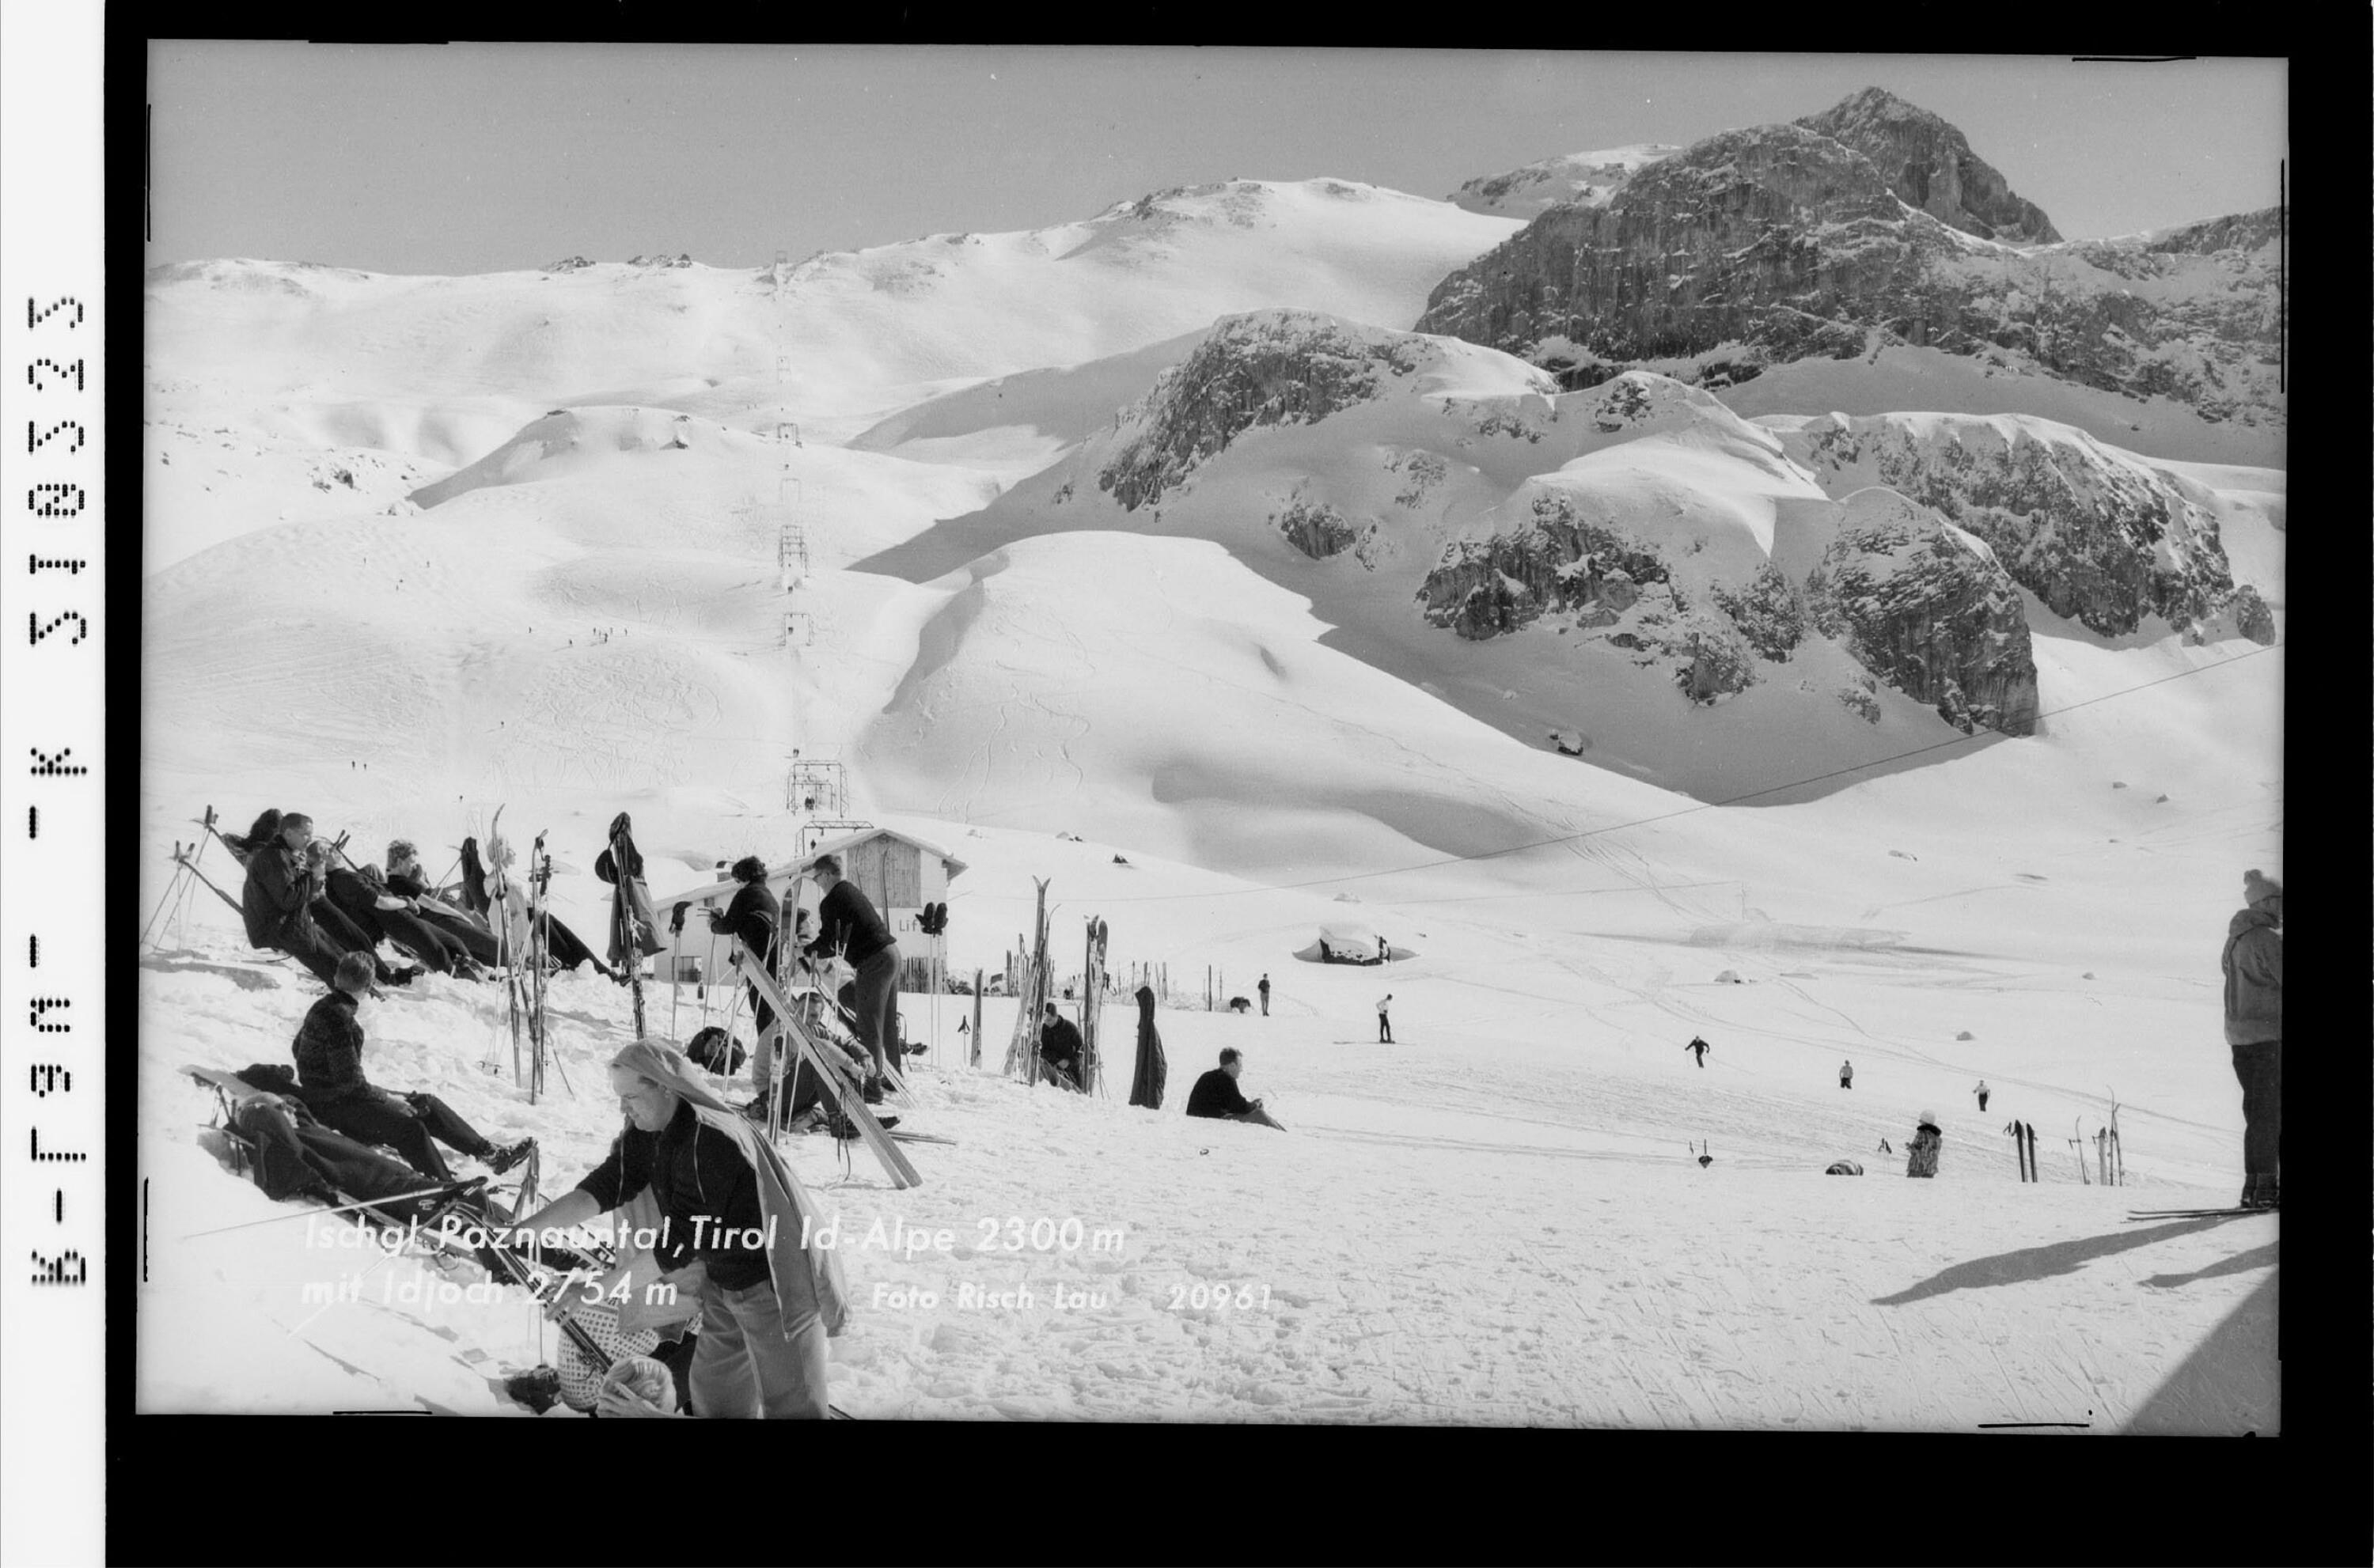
[(450, 1187)]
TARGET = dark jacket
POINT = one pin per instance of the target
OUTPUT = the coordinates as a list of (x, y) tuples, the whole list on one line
[(355, 898), (691, 1172), (279, 886), (756, 918), (296, 1156), (1216, 1094), (2253, 962), (1060, 1038), (847, 924), (1147, 1089), (329, 1051)]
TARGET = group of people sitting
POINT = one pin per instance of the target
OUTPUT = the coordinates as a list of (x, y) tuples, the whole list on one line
[(305, 896)]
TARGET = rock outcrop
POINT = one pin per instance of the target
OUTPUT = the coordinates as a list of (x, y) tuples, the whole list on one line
[(1783, 242), (1269, 367), (2102, 537), (1916, 602), (1927, 609), (1930, 165)]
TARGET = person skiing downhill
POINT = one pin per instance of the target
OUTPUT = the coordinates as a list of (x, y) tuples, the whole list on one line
[(1701, 1047), (1846, 1075), (2253, 965), (1982, 1092)]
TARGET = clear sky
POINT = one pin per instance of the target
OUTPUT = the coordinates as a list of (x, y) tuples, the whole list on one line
[(480, 157)]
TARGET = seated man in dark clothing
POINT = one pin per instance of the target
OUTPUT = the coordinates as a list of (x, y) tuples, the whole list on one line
[(284, 893), (329, 1050), (1060, 1048), (1216, 1093)]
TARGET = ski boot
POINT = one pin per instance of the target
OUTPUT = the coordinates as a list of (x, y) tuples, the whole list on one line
[(503, 1156)]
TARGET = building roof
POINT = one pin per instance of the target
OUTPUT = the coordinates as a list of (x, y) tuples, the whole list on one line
[(777, 873)]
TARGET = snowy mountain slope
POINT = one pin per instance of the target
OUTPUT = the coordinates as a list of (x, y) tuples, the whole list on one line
[(1583, 179), (1899, 376), (845, 324), (1608, 557)]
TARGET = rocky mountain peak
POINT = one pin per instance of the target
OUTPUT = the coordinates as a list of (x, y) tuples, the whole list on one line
[(1930, 165)]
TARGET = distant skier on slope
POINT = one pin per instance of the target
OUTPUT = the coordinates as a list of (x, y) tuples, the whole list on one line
[(1217, 1097), (1926, 1142), (1385, 1018), (2253, 964), (1264, 989), (1701, 1047), (1846, 1075), (1983, 1092)]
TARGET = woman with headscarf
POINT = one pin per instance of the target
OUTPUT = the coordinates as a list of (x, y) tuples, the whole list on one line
[(737, 1222)]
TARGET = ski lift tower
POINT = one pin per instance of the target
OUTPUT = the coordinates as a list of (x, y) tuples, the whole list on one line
[(817, 792)]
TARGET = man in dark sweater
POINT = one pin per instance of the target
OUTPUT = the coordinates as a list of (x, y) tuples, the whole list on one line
[(329, 1051), (1060, 1047), (1216, 1093), (847, 924)]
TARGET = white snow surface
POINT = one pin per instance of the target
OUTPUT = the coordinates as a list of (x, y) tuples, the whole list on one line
[(1495, 1220)]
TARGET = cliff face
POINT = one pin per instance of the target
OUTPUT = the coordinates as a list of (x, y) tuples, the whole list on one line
[(1785, 242), (1929, 164), (1271, 368), (1928, 612), (2101, 537), (1908, 596)]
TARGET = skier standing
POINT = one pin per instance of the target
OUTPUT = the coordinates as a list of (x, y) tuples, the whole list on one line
[(1983, 1091), (1926, 1140), (847, 924), (1384, 1020), (1701, 1047), (754, 917), (2253, 962), (1846, 1075), (1264, 989)]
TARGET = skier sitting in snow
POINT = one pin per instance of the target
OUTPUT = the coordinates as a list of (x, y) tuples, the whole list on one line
[(329, 1051), (286, 870), (1216, 1093), (362, 897), (1926, 1142), (1060, 1048)]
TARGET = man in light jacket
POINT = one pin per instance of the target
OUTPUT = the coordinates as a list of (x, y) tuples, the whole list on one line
[(2253, 961)]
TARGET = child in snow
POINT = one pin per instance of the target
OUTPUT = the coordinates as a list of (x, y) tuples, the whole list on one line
[(1926, 1139)]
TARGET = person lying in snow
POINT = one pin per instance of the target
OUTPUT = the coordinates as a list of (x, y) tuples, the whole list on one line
[(1216, 1093), (296, 1156), (329, 1051), (505, 902)]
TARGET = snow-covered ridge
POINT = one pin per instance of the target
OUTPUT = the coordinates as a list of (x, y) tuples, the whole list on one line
[(1586, 179)]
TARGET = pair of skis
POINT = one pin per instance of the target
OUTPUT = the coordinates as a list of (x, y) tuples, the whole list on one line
[(2194, 1213), (847, 1086)]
